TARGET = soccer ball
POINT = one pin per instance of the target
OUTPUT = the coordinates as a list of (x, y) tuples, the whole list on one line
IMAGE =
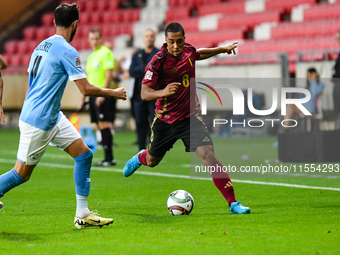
[(180, 202), (1, 205)]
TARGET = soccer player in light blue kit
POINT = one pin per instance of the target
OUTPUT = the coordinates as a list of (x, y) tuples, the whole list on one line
[(41, 121)]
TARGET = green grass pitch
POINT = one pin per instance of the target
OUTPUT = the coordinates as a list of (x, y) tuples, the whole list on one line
[(38, 216)]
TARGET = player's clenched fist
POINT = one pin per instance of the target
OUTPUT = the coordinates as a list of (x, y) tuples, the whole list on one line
[(120, 93), (170, 89)]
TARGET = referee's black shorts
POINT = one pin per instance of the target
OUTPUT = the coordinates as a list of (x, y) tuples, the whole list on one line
[(105, 112), (192, 131)]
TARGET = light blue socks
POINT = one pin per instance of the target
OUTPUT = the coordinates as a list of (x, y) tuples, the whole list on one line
[(82, 181), (9, 181)]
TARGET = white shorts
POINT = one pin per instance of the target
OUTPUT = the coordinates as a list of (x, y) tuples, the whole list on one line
[(34, 141)]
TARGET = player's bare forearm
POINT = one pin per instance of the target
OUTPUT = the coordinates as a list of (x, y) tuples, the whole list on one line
[(88, 89), (3, 63), (2, 116), (149, 94), (210, 52)]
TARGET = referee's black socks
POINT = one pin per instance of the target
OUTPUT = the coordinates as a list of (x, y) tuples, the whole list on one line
[(107, 143)]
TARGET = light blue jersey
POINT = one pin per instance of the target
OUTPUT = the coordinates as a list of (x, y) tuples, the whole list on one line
[(52, 63)]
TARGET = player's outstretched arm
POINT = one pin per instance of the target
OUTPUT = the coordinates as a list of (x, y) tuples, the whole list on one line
[(88, 89), (3, 63), (210, 52), (2, 115), (149, 94)]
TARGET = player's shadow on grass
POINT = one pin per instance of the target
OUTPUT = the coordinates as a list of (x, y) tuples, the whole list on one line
[(19, 237), (158, 218)]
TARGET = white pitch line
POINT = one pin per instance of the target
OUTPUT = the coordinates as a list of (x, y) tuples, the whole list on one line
[(117, 170)]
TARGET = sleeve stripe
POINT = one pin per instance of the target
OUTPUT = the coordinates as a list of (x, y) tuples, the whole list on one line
[(156, 62), (77, 76)]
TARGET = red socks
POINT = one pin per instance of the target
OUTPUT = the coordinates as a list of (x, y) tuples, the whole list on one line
[(142, 157), (221, 179), (223, 183)]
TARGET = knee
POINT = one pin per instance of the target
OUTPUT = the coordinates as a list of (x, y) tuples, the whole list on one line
[(89, 154), (85, 157)]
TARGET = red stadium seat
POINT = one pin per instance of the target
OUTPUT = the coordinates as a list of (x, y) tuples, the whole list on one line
[(189, 25), (224, 8), (16, 60), (177, 13), (322, 11), (113, 5), (187, 3), (84, 44), (117, 16), (90, 6), (26, 60), (126, 28), (205, 2), (136, 14), (76, 43), (47, 19), (107, 17), (250, 20), (286, 5), (96, 17), (332, 55), (84, 31), (126, 15), (291, 46), (51, 30), (213, 38), (129, 15), (79, 44), (107, 30), (41, 33), (111, 30), (306, 29), (11, 47), (29, 33), (32, 45), (22, 47), (102, 5), (173, 3), (85, 18)]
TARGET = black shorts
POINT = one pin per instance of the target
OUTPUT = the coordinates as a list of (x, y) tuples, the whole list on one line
[(191, 130), (105, 112)]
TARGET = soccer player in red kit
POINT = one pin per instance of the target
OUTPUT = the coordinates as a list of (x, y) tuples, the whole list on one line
[(167, 79)]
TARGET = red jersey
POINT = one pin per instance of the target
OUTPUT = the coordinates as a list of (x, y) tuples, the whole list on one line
[(165, 68)]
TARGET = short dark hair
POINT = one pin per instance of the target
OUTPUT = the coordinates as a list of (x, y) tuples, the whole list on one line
[(174, 27), (312, 70), (65, 14), (96, 30)]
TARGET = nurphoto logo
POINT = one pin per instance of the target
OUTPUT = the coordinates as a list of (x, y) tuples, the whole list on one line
[(239, 103)]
